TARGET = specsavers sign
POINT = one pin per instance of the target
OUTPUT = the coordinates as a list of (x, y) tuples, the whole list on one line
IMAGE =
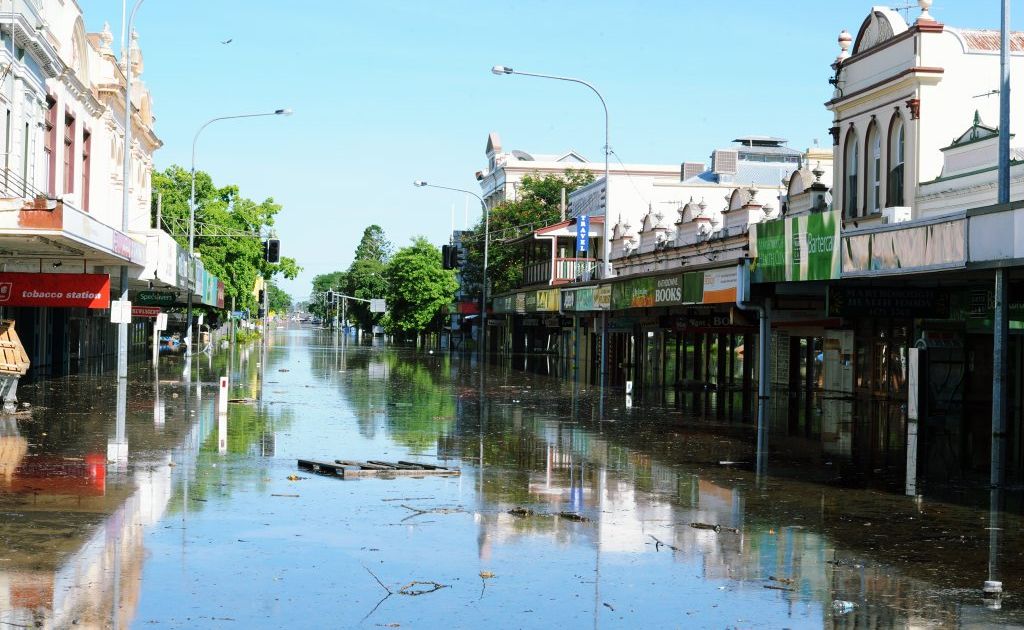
[(796, 249)]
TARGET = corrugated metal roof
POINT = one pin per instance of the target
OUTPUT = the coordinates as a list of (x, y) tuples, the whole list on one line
[(988, 40)]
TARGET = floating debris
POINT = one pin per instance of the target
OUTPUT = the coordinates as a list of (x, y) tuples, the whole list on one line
[(714, 527), (521, 512), (349, 469)]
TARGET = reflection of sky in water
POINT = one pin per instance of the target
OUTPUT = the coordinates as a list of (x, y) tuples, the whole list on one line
[(205, 543)]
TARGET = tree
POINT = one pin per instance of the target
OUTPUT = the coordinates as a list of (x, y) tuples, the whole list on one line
[(373, 245), (228, 229), (334, 281), (540, 198), (280, 302), (419, 288), (366, 275)]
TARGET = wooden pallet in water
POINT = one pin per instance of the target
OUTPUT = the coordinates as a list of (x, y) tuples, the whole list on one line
[(349, 469)]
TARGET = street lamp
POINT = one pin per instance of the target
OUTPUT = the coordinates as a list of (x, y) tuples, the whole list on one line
[(419, 183), (122, 328), (192, 213), (606, 264)]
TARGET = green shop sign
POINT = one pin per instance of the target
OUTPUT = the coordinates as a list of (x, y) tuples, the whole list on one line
[(796, 249), (154, 298), (648, 291)]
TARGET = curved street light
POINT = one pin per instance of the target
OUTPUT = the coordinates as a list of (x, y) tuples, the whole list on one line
[(606, 260), (192, 215), (419, 183)]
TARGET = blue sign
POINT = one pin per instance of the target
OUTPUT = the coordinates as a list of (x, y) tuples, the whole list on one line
[(239, 314), (583, 234)]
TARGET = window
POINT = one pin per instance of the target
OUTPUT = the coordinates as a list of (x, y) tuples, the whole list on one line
[(86, 150), (69, 154), (874, 170), (894, 194), (50, 147), (850, 179)]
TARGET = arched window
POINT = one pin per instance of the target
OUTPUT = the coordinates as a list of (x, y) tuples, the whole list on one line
[(850, 159), (874, 170), (894, 192)]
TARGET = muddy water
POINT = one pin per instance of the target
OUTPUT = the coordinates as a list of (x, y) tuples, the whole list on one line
[(171, 518)]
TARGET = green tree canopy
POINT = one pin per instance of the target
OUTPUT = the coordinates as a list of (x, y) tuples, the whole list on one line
[(228, 229), (280, 302), (419, 288), (373, 245), (540, 198)]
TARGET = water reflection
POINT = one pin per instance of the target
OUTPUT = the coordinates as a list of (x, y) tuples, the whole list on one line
[(201, 499)]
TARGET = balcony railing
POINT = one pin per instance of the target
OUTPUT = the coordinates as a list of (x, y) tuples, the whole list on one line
[(575, 269), (565, 270), (12, 186)]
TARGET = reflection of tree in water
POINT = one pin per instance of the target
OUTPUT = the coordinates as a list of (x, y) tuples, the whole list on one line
[(413, 399), (251, 434)]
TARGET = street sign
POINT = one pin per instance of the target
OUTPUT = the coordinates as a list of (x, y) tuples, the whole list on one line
[(161, 321), (145, 311), (120, 312), (378, 306), (583, 234), (155, 298), (238, 314)]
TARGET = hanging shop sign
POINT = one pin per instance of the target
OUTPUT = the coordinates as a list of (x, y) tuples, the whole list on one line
[(648, 291), (796, 249), (504, 304), (711, 286), (896, 302), (83, 290), (547, 300), (905, 249), (520, 306), (155, 298)]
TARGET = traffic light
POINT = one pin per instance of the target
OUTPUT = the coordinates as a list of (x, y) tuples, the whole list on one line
[(261, 298), (273, 250), (330, 297), (448, 256)]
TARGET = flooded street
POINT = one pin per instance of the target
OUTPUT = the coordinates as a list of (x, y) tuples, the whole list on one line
[(570, 511)]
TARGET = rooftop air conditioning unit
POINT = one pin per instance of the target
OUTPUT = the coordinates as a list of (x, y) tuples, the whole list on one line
[(897, 214)]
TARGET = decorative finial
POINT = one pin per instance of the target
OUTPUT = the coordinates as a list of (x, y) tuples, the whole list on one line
[(977, 118), (925, 16), (106, 39), (817, 172), (845, 39)]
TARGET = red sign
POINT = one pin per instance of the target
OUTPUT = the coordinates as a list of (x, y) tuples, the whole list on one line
[(145, 311), (85, 290)]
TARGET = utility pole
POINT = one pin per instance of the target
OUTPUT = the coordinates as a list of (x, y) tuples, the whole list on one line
[(1000, 323)]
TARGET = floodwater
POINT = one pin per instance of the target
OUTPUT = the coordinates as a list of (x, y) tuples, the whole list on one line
[(170, 517)]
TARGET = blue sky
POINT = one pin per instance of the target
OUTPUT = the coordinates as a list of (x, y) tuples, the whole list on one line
[(386, 92)]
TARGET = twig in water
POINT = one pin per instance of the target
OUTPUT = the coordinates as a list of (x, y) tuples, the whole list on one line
[(419, 512), (610, 607), (378, 581), (409, 589), (658, 543), (382, 599), (410, 499)]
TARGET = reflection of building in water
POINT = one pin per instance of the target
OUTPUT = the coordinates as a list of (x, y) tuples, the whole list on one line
[(634, 483), (55, 578)]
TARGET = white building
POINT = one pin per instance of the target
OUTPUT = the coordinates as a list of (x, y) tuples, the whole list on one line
[(903, 95), (61, 185)]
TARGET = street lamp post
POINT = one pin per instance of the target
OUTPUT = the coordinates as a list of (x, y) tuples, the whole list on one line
[(122, 328), (606, 245), (487, 242), (192, 214)]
